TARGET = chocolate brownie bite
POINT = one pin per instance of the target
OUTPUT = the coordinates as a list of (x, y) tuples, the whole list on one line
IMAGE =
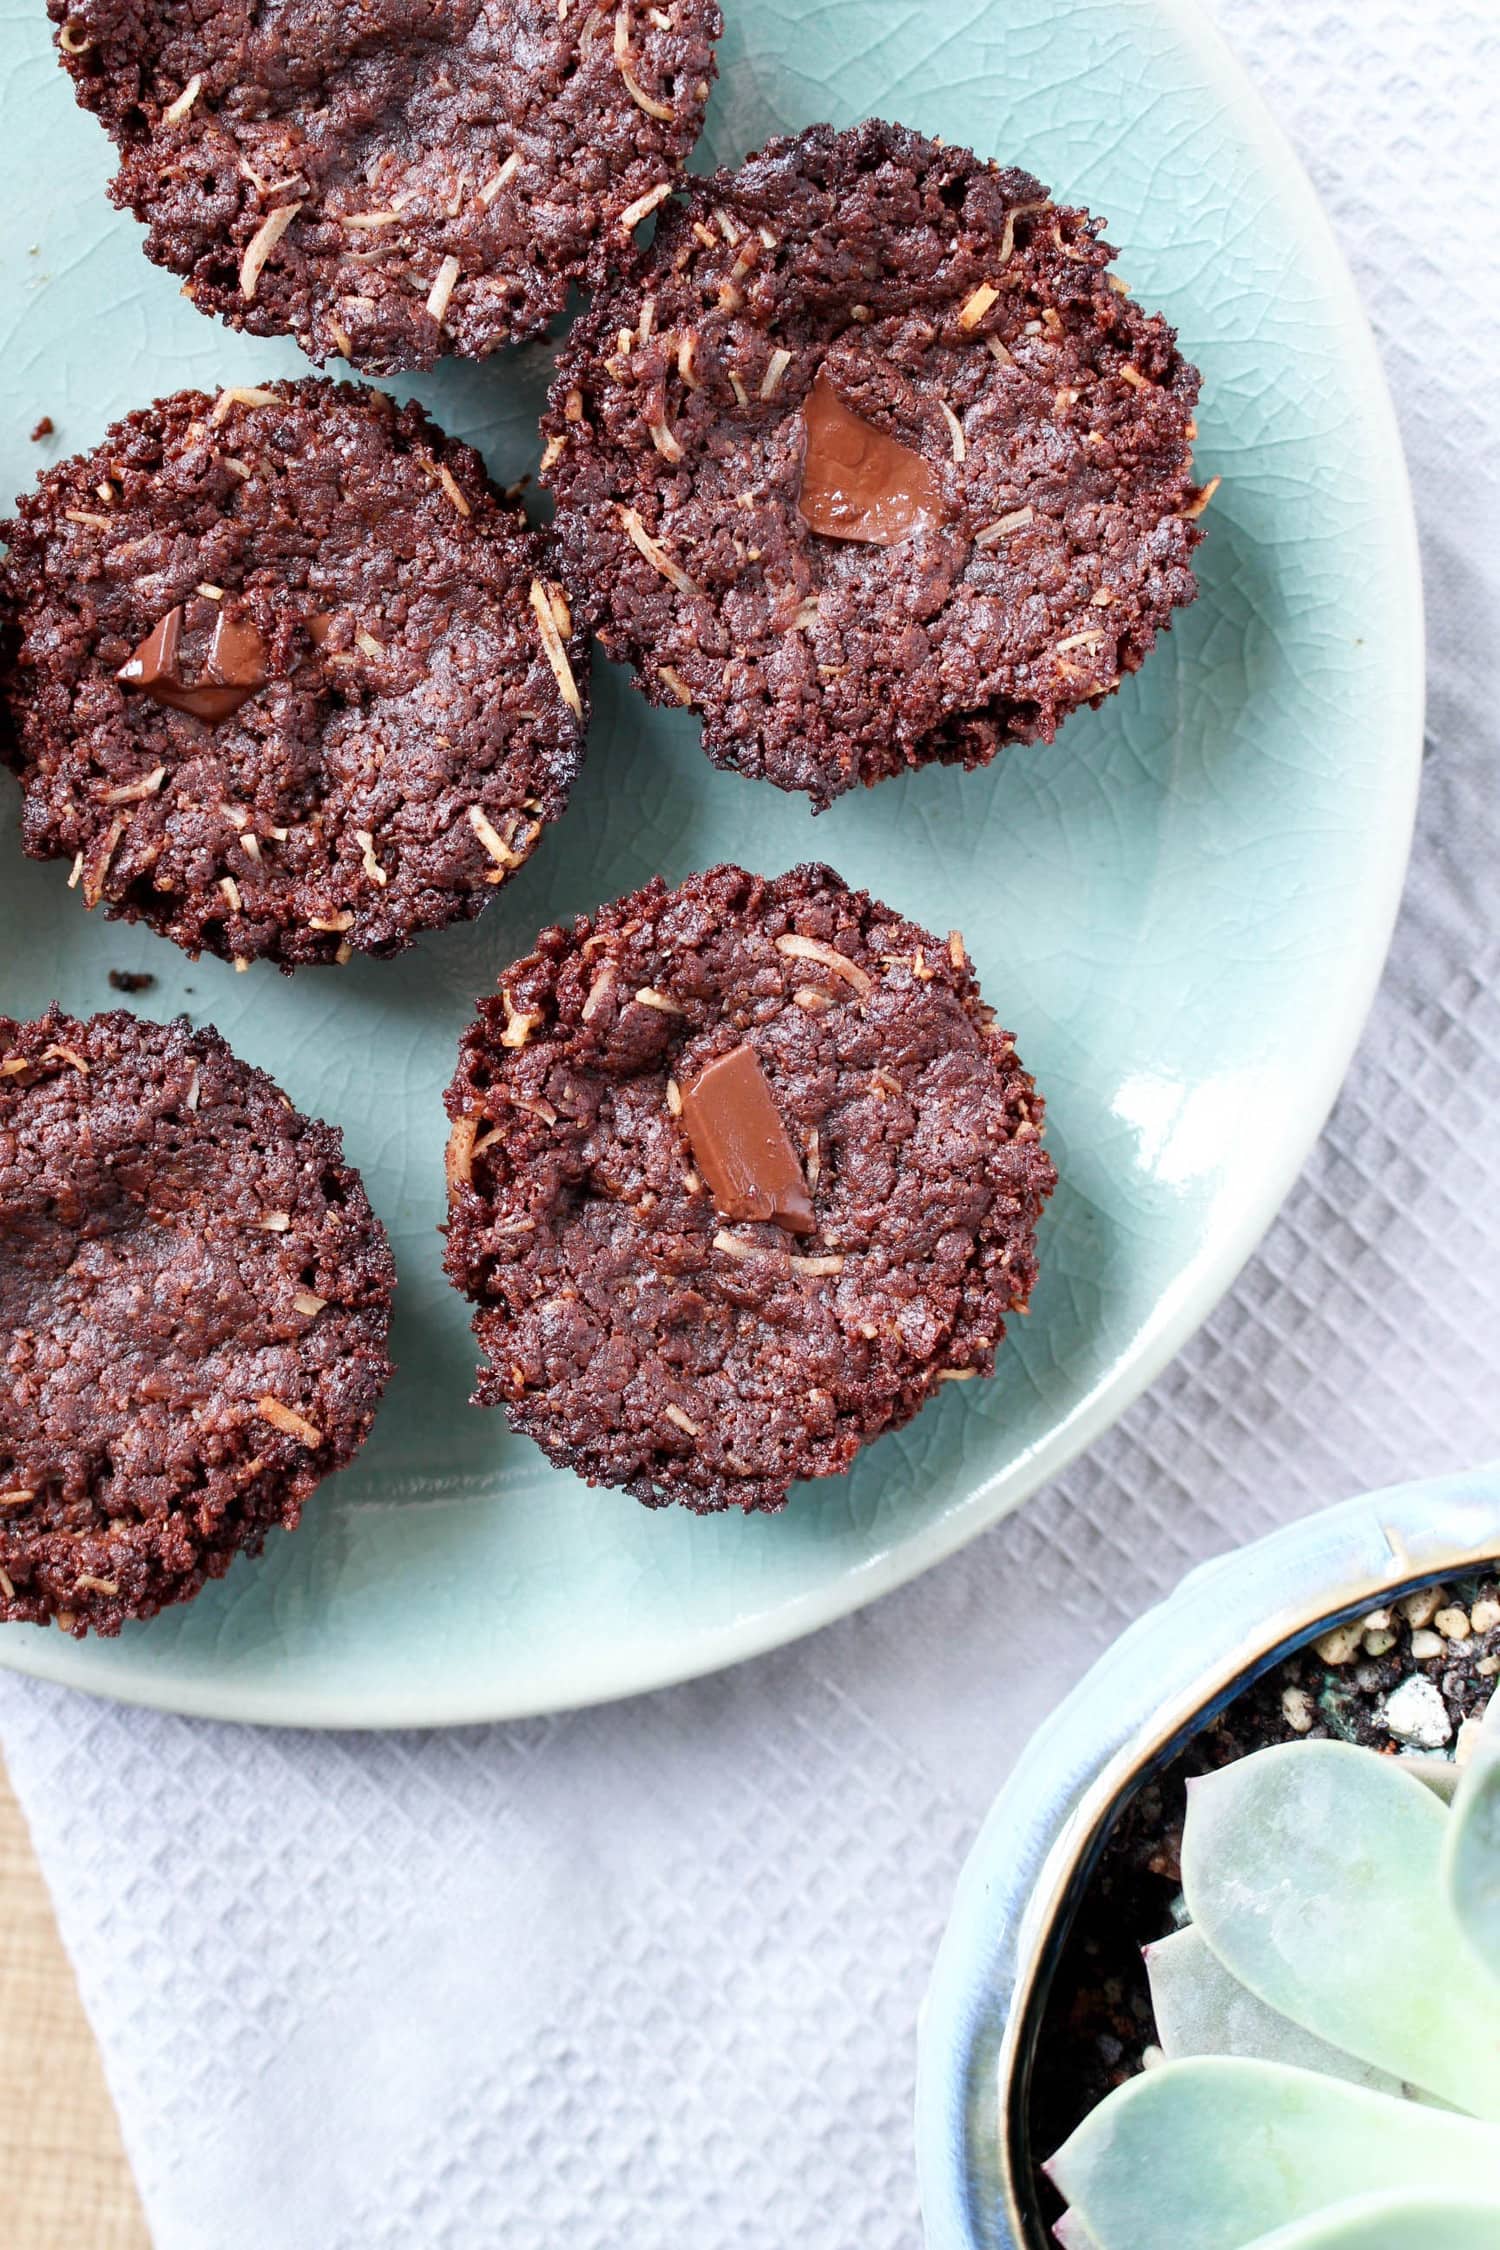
[(397, 180), (290, 679), (194, 1302), (874, 463), (739, 1174)]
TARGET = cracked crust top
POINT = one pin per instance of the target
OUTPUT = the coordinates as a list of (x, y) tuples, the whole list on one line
[(397, 179), (414, 711), (194, 1302), (953, 307), (633, 1331)]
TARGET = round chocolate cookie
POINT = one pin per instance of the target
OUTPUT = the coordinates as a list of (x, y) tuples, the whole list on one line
[(289, 678), (872, 463), (738, 1174), (398, 179), (194, 1301)]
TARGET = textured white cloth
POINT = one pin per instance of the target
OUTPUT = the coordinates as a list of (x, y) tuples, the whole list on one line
[(646, 1978)]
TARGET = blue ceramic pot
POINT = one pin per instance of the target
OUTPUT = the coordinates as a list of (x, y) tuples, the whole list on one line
[(1227, 1622)]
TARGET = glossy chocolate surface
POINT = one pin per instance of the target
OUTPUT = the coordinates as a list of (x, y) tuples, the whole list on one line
[(741, 1146), (236, 667), (857, 483)]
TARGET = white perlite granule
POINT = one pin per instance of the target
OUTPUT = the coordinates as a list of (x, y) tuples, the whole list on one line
[(1416, 1713)]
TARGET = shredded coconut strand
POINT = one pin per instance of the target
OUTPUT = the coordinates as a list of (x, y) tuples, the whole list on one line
[(1196, 506), (262, 243), (459, 1157), (735, 1246), (776, 367), (1008, 232), (633, 86), (449, 484), (129, 792), (974, 307), (175, 112), (553, 650), (442, 288), (598, 992), (643, 206), (292, 1424), (493, 842), (657, 555), (503, 177), (813, 949), (1003, 526)]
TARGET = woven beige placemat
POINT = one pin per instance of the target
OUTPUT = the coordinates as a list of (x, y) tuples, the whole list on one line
[(66, 2181)]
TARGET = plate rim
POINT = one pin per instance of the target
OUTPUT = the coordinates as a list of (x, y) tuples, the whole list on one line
[(1197, 1289)]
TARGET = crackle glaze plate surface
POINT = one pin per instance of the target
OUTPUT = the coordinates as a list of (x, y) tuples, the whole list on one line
[(1181, 908)]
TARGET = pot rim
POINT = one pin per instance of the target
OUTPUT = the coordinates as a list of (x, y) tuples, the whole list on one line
[(1230, 1618)]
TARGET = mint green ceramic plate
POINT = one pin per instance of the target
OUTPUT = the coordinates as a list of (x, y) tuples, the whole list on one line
[(1182, 908)]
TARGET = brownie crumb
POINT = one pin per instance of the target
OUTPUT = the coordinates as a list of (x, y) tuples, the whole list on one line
[(391, 182), (291, 681), (44, 429), (872, 463), (194, 1305), (130, 980), (740, 1175)]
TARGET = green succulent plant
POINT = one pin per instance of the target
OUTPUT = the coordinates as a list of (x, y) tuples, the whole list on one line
[(1329, 2018)]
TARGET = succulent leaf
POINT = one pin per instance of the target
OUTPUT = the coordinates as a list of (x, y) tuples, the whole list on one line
[(1394, 2222), (1213, 2153), (1313, 1871), (1471, 1859), (1440, 1775), (1201, 2009)]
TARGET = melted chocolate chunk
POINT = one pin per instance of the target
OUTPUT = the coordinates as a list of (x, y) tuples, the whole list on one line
[(236, 668), (741, 1145), (857, 483)]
